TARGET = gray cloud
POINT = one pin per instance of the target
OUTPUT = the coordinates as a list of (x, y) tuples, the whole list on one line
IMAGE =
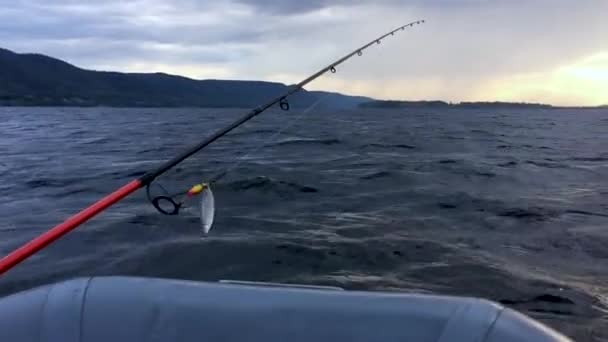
[(464, 44), (63, 21), (292, 7), (287, 7)]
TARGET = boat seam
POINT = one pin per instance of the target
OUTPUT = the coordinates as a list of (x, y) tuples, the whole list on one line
[(82, 305), (491, 327), (44, 305)]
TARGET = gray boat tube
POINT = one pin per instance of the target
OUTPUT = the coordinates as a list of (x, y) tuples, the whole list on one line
[(129, 309)]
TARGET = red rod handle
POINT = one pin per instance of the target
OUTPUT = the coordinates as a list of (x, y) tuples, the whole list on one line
[(68, 225)]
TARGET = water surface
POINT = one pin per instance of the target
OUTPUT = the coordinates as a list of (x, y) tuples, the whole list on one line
[(510, 205)]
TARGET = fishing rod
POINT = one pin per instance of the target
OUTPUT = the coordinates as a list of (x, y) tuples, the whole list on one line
[(48, 237)]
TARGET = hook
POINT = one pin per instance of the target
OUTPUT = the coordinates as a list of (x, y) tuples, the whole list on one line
[(359, 53), (333, 70)]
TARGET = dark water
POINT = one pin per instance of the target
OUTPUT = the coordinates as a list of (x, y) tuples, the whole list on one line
[(507, 205)]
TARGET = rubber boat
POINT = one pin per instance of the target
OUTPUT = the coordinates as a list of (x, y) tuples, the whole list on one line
[(130, 309)]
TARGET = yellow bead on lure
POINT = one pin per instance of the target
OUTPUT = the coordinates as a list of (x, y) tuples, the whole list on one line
[(197, 189)]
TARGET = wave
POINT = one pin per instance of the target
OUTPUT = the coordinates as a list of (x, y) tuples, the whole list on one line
[(452, 137), (157, 149), (444, 205), (306, 141), (95, 141), (403, 146), (590, 159), (547, 298), (507, 164), (136, 174), (466, 202), (508, 147), (586, 213), (269, 184), (71, 192), (545, 303), (551, 165), (485, 174), (375, 175), (531, 213), (481, 131), (252, 132), (50, 183)]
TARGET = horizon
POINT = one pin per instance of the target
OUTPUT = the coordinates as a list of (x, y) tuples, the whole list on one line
[(468, 50), (457, 102)]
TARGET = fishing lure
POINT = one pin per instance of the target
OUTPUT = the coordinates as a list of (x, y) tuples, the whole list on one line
[(207, 205)]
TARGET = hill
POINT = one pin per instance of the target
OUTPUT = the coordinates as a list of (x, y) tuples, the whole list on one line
[(39, 80)]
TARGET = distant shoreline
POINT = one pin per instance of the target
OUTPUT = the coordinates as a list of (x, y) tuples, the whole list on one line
[(392, 104)]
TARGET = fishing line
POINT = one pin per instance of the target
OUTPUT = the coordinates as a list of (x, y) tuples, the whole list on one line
[(272, 138)]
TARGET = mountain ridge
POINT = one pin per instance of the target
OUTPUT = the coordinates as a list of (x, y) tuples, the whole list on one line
[(29, 79)]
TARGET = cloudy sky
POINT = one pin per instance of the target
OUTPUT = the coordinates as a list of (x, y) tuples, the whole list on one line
[(552, 51)]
